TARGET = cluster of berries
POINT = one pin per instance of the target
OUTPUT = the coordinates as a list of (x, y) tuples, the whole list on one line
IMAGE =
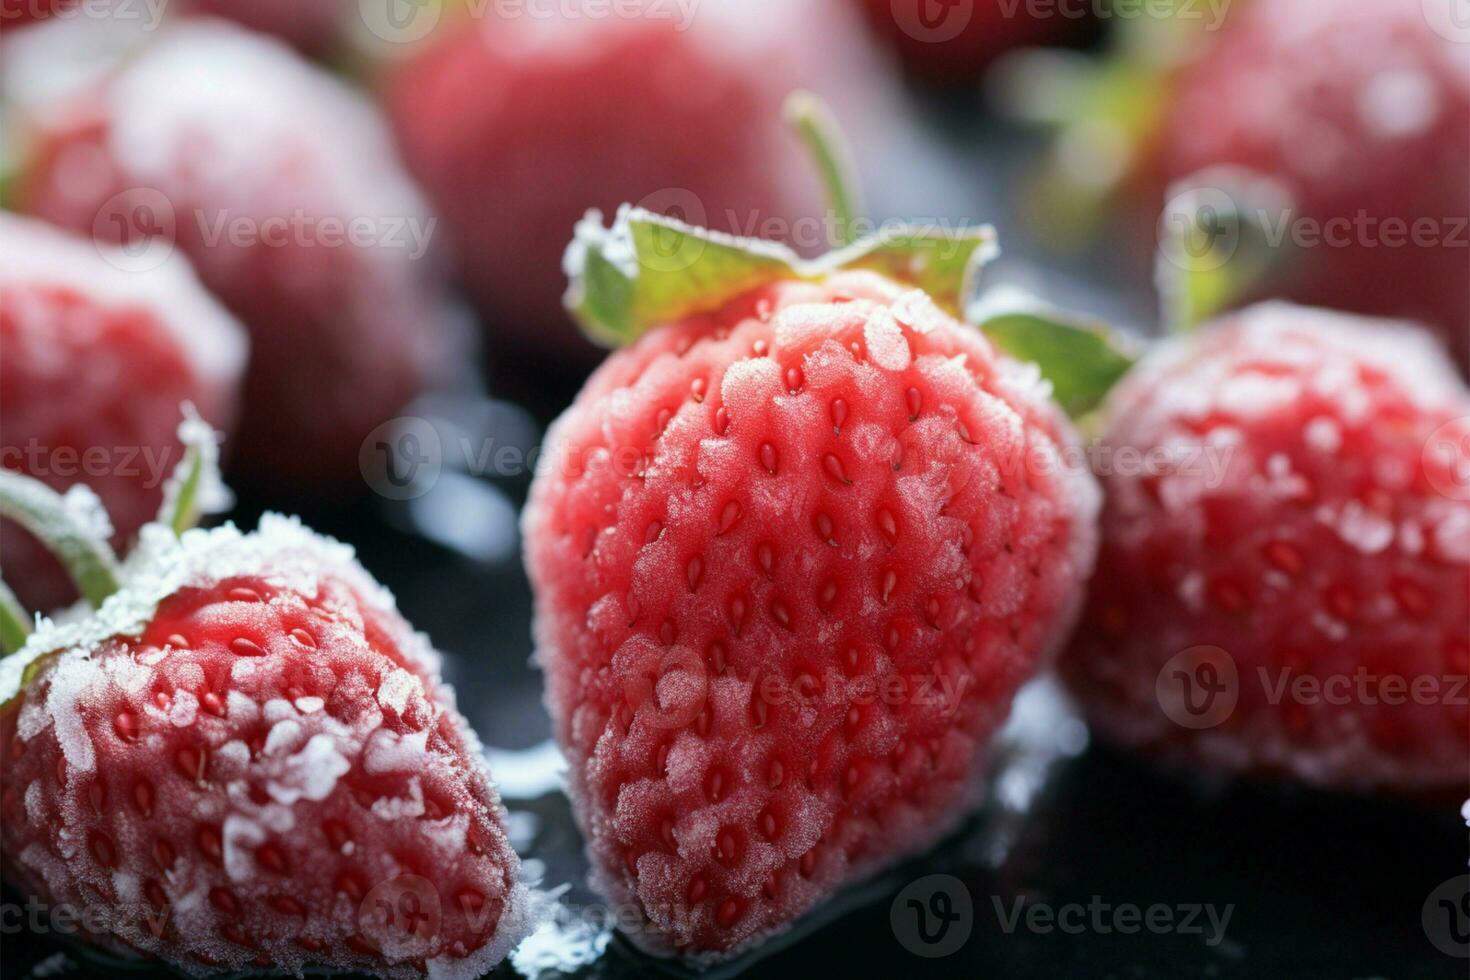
[(799, 480)]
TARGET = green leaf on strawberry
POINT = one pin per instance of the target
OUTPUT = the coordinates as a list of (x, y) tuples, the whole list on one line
[(1081, 357), (648, 270)]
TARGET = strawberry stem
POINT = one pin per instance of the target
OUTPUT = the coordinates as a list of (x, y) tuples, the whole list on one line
[(63, 528), (819, 131), (194, 488), (15, 624)]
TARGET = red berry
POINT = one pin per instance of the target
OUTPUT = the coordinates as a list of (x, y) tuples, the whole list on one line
[(953, 41), (283, 189), (337, 813), (516, 125), (97, 359), (1357, 108), (1305, 516), (921, 579)]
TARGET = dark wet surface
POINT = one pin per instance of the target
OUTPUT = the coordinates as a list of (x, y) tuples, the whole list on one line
[(1314, 886)]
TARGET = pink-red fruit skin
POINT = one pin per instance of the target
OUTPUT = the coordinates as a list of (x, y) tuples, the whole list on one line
[(95, 361), (283, 189), (1306, 514), (1358, 109), (269, 773), (516, 126), (792, 560)]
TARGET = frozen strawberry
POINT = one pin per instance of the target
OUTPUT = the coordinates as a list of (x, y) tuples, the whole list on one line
[(953, 41), (1285, 588), (516, 124), (312, 26), (283, 189), (1354, 110), (96, 362), (794, 551), (245, 758), (1359, 110)]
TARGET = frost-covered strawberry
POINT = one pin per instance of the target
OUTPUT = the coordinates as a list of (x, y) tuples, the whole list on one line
[(1354, 109), (794, 551), (96, 362), (283, 189), (1287, 592), (1358, 108), (953, 41), (245, 758), (515, 125)]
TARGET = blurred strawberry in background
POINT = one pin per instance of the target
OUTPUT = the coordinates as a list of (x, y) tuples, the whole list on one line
[(100, 351), (283, 188), (312, 26), (1360, 109), (1355, 113), (516, 124), (951, 42)]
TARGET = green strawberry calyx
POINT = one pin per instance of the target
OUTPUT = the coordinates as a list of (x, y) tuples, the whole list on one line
[(1083, 358), (648, 270), (74, 526)]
